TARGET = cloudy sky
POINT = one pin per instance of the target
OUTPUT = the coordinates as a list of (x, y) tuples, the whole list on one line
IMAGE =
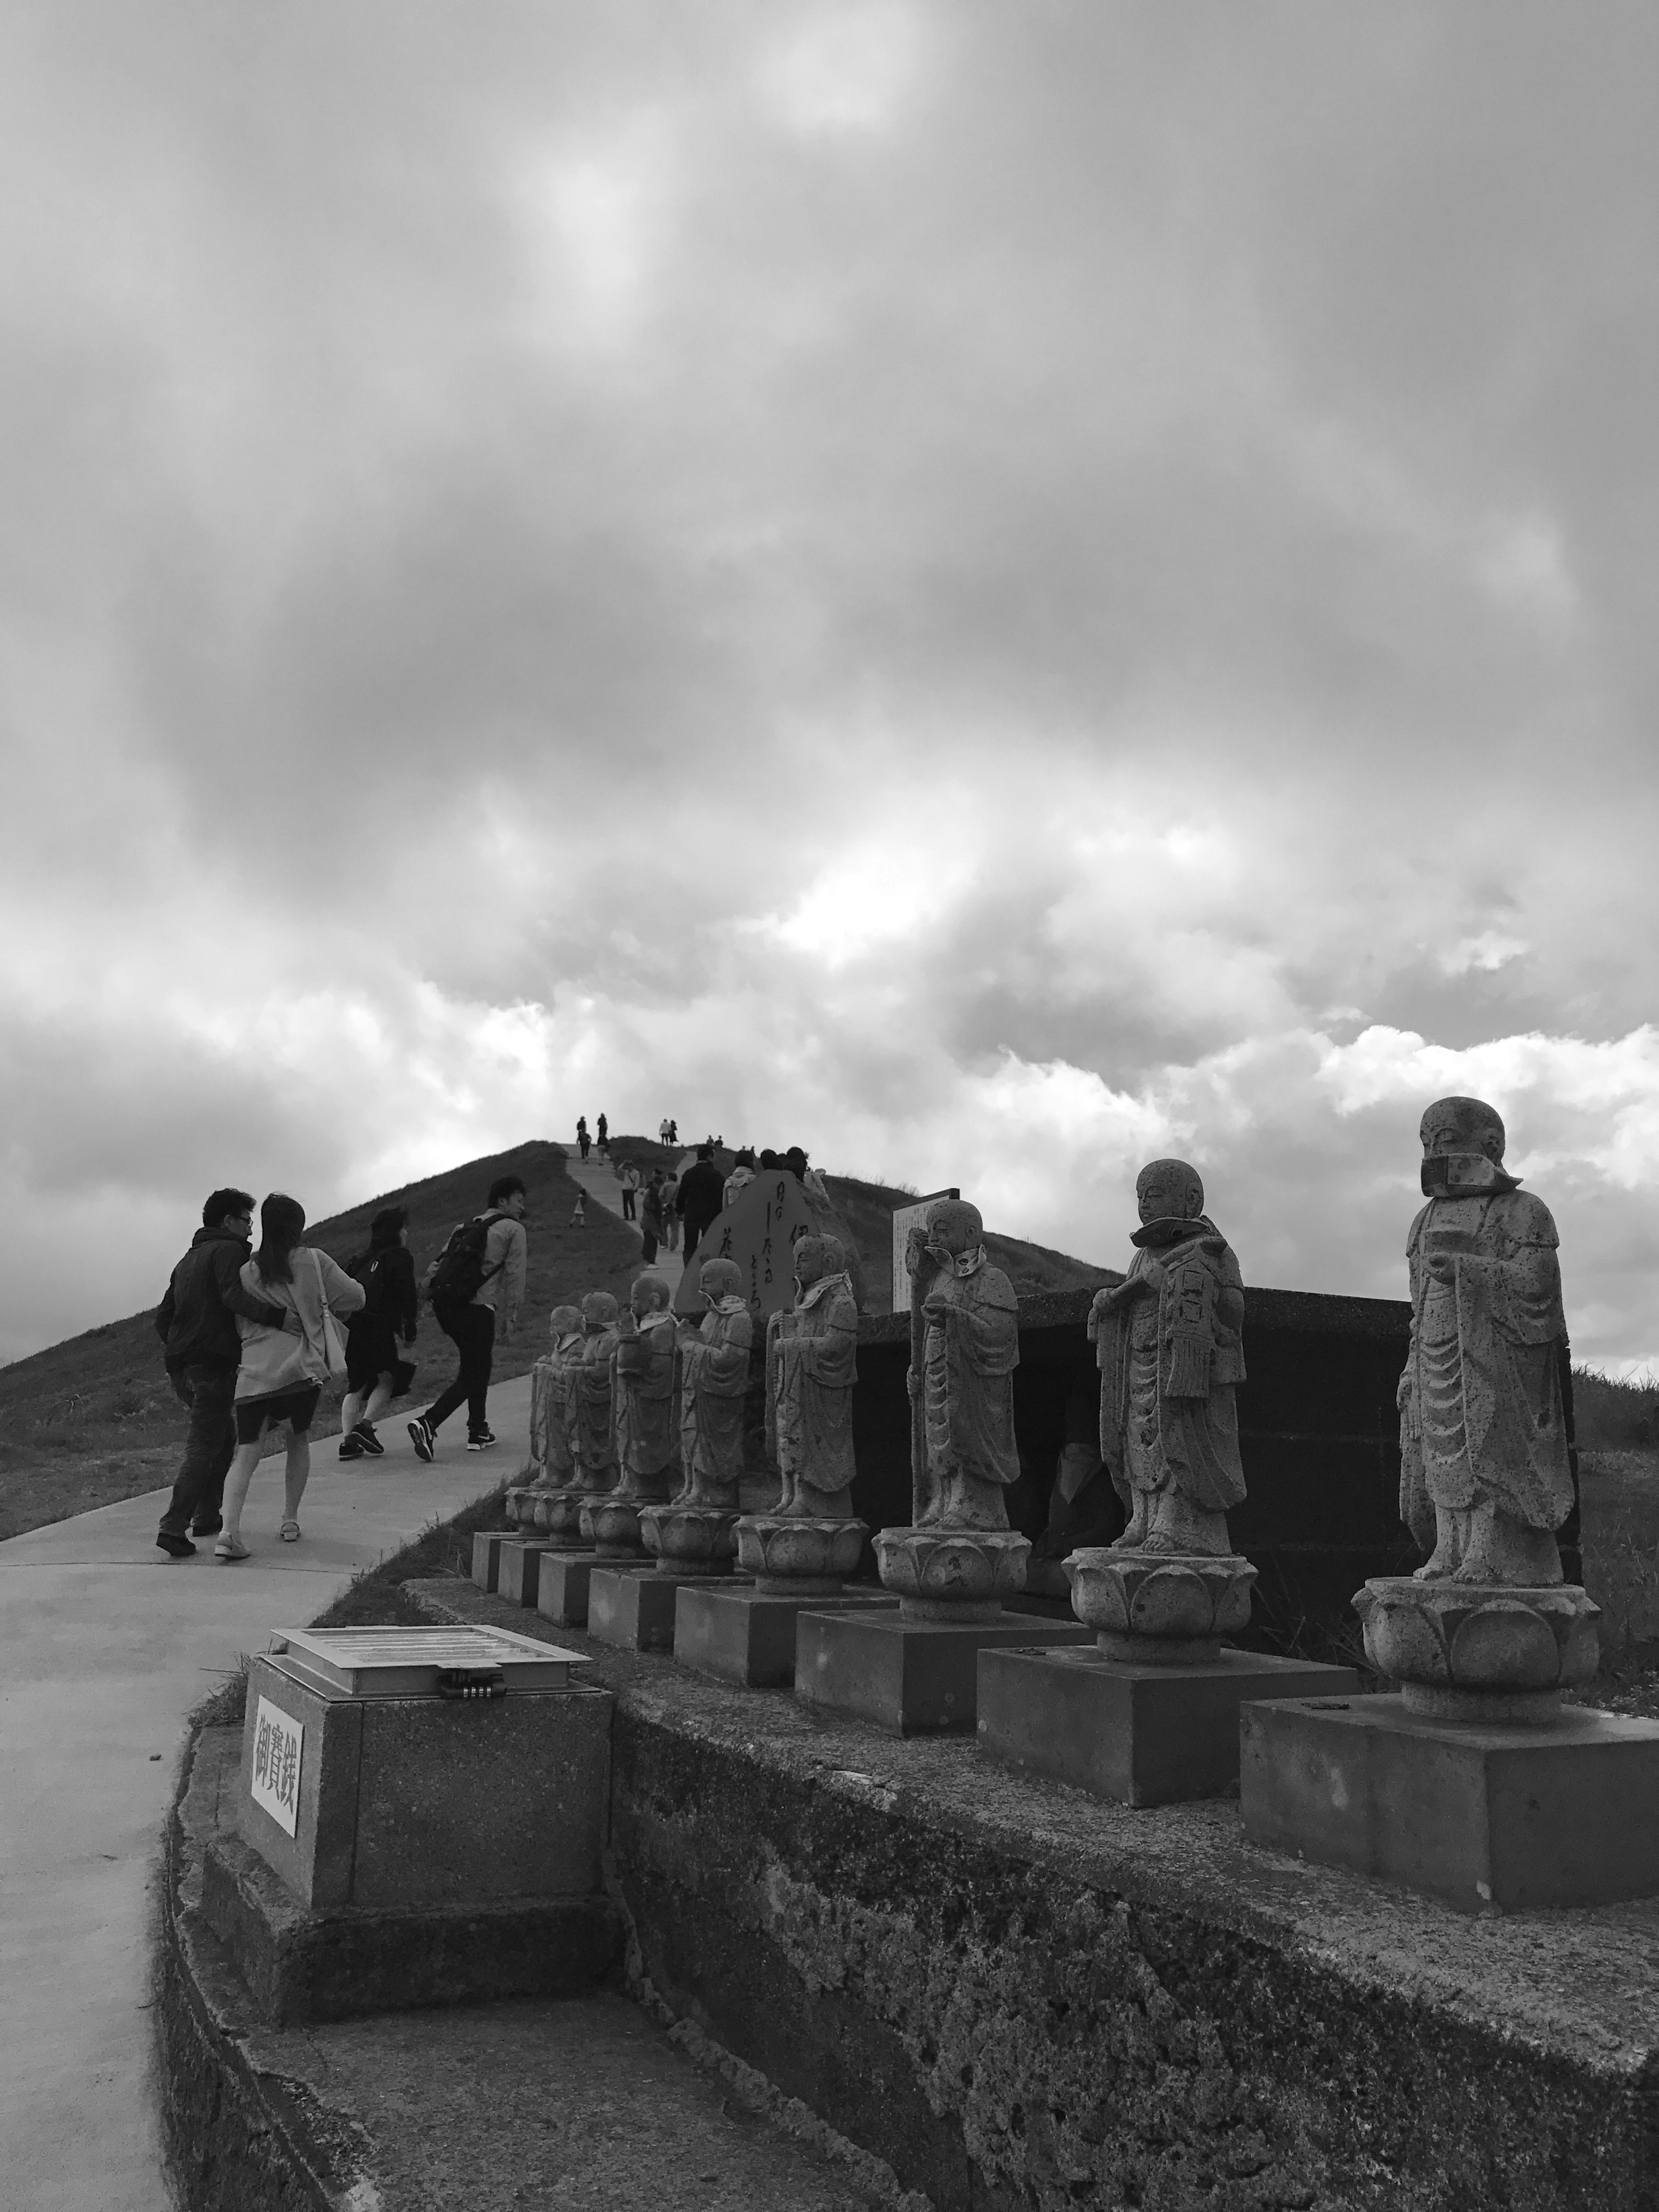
[(991, 590)]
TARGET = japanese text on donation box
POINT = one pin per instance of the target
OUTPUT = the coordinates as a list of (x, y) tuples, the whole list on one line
[(276, 1744)]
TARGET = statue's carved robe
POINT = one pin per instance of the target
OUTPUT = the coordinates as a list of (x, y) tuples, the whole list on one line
[(714, 1375), (811, 1358), (593, 1431), (967, 1394), (1483, 1420), (552, 1381), (1169, 1362), (642, 1397)]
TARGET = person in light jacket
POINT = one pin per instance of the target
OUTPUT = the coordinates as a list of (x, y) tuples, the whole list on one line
[(281, 1375)]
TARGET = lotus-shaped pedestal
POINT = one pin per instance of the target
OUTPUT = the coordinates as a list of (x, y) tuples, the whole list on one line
[(610, 1523), (1475, 1651), (690, 1539), (1160, 1609), (799, 1558), (951, 1574), (541, 1513), (517, 1506), (564, 1524)]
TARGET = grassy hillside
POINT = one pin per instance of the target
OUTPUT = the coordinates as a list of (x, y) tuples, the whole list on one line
[(94, 1418)]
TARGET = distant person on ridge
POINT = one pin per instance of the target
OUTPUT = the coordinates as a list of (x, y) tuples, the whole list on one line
[(479, 1274), (196, 1321), (662, 1130), (281, 1378), (374, 1374), (697, 1201), (583, 1139), (604, 1128)]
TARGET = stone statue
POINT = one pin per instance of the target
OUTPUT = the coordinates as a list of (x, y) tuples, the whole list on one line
[(642, 1404), (959, 1560), (1168, 1339), (552, 1380), (696, 1529), (811, 1542), (1487, 1629), (1484, 1477), (551, 1384), (594, 1429), (970, 1351), (1169, 1342), (714, 1375)]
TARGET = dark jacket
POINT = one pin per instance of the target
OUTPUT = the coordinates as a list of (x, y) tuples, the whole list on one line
[(393, 1308), (702, 1193), (196, 1319)]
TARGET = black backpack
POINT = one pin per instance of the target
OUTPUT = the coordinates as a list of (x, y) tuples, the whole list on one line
[(459, 1273)]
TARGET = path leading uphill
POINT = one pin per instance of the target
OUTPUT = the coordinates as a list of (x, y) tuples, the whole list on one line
[(107, 1646), (604, 1187)]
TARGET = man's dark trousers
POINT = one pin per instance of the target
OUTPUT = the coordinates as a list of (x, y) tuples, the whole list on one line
[(696, 1228), (210, 1391), (472, 1331)]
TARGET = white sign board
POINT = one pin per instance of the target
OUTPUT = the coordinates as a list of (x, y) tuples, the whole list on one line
[(903, 1217), (277, 1740)]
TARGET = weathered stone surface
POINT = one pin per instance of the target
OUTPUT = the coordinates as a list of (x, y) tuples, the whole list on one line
[(796, 1557), (1492, 1818), (951, 1574), (1154, 1609), (1464, 1651), (487, 1555), (747, 1636), (634, 1608), (1142, 1734), (908, 1677), (562, 1582), (518, 1570), (687, 1538)]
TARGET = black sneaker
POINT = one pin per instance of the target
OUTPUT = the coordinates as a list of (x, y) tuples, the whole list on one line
[(176, 1547), (422, 1436), (479, 1440), (364, 1433), (206, 1528), (351, 1445)]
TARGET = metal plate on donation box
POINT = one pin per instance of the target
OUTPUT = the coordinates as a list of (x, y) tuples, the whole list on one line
[(406, 1662), (278, 1747)]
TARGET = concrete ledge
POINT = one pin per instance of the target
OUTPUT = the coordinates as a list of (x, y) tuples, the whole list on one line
[(1020, 1996)]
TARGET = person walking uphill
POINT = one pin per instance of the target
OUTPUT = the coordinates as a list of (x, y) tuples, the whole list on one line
[(375, 1373), (197, 1324), (280, 1379), (699, 1197), (479, 1275)]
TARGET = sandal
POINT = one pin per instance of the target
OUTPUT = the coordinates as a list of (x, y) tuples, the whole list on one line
[(289, 1532), (230, 1547)]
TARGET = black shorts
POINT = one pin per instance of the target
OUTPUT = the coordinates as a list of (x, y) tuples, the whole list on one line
[(255, 1415), (372, 1353)]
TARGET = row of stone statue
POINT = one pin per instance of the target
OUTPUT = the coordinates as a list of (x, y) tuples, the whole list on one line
[(639, 1433), (637, 1424)]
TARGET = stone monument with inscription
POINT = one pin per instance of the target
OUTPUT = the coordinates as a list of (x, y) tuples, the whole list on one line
[(958, 1563), (1151, 1714), (1473, 1779)]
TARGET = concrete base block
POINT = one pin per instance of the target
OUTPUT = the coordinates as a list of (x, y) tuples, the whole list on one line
[(633, 1608), (742, 1636), (1492, 1819), (909, 1677), (518, 1570), (425, 1801), (562, 1579), (487, 1555), (1142, 1735)]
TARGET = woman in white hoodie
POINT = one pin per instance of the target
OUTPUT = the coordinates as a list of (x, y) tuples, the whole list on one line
[(281, 1375)]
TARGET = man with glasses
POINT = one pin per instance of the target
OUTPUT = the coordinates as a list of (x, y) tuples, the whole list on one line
[(197, 1324)]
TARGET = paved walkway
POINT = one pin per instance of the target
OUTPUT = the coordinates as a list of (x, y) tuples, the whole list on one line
[(600, 1180), (107, 1646)]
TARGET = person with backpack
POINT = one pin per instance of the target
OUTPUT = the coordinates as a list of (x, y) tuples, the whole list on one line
[(375, 1373), (281, 1375), (480, 1274)]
